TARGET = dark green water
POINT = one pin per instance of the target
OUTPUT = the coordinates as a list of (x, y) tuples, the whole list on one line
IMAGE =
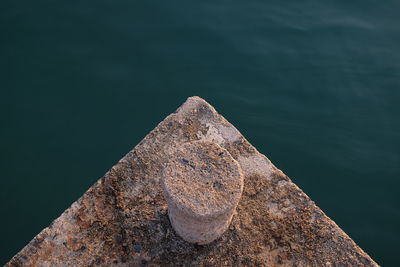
[(313, 85)]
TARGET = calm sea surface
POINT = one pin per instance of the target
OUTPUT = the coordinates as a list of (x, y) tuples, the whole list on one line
[(314, 85)]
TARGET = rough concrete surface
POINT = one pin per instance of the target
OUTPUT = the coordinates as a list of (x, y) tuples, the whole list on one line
[(122, 219), (202, 185)]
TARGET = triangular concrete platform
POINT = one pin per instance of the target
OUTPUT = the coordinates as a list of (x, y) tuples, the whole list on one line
[(122, 219)]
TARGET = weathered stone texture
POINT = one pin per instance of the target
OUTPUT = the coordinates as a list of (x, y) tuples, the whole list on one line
[(122, 219), (202, 185)]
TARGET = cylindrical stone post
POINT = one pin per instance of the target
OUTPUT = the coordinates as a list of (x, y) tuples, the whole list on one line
[(202, 185)]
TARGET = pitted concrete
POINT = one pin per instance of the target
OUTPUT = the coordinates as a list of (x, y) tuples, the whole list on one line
[(122, 219), (202, 184)]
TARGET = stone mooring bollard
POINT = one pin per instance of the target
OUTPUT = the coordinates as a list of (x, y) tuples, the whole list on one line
[(202, 185)]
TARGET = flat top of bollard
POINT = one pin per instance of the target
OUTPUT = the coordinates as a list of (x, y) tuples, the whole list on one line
[(202, 179)]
